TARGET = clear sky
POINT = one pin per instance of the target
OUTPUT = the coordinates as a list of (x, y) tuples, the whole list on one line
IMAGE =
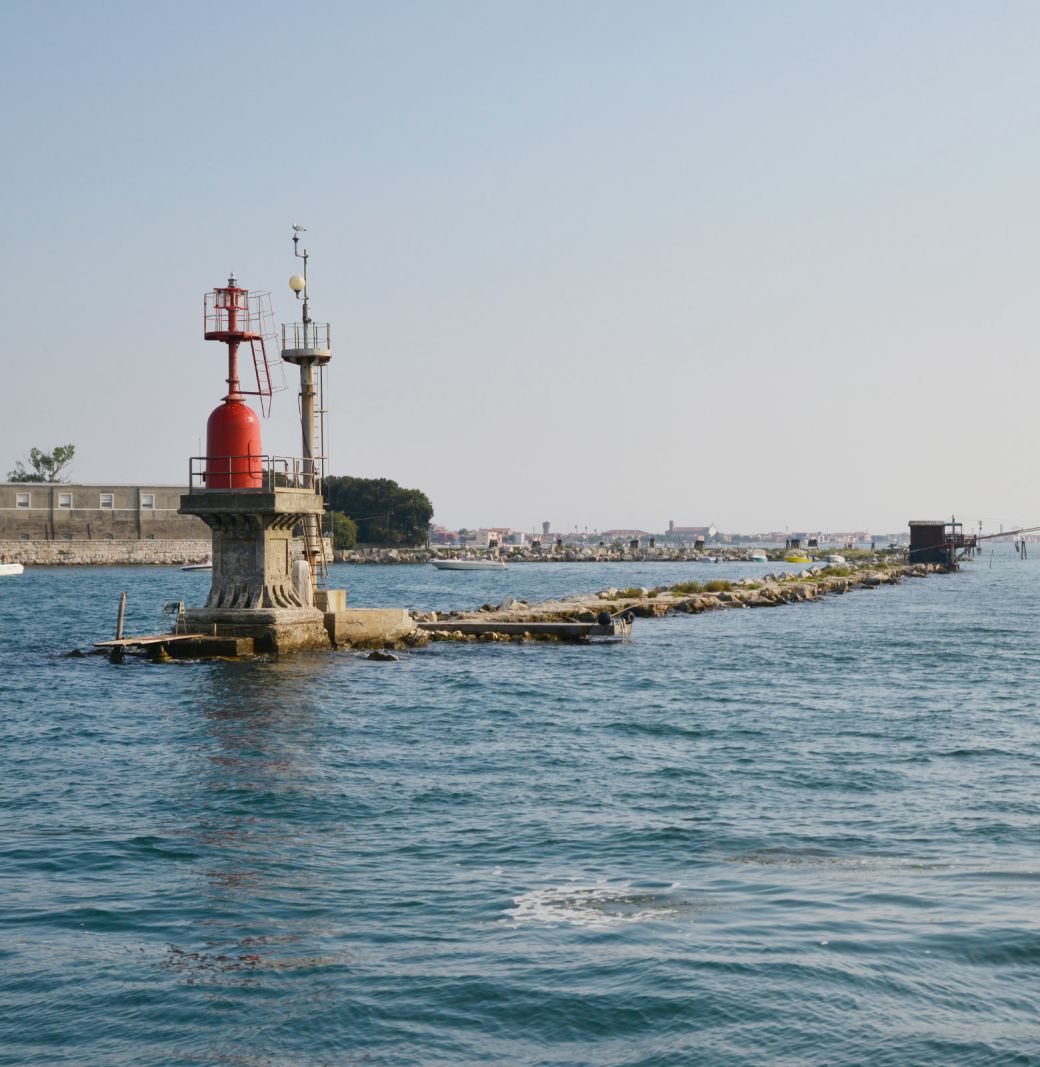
[(760, 264)]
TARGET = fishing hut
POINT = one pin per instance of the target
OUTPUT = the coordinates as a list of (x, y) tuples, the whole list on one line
[(940, 541)]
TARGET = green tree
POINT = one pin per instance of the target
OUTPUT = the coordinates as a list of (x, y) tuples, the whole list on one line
[(46, 466), (344, 531), (385, 513)]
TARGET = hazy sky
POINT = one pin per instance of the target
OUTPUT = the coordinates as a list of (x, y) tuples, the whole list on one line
[(606, 264)]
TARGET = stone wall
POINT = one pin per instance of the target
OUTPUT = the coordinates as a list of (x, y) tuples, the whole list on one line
[(44, 553), (63, 511)]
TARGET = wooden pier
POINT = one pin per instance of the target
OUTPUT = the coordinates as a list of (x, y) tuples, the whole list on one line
[(178, 646)]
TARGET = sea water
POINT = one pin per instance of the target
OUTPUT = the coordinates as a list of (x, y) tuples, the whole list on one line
[(804, 835)]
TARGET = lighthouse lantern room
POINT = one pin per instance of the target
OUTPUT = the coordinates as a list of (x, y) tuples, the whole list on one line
[(237, 317)]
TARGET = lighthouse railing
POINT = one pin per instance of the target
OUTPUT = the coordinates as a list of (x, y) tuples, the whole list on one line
[(276, 472), (313, 337)]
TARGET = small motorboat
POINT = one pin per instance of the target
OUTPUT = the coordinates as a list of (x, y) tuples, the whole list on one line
[(468, 564), (205, 565), (835, 560), (796, 557), (10, 568), (758, 557)]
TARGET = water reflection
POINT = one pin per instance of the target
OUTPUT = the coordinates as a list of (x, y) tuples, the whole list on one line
[(261, 804)]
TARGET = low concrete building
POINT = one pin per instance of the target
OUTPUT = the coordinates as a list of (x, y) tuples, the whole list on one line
[(55, 511), (691, 533)]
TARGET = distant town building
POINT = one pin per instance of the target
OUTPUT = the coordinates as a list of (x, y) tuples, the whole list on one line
[(855, 537), (691, 533)]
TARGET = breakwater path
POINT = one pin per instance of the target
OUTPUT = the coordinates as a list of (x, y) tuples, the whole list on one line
[(690, 596), (798, 836)]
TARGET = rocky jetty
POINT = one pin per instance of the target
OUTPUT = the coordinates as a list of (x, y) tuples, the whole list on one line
[(564, 554), (770, 591)]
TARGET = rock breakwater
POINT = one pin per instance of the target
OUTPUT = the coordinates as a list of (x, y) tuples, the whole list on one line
[(578, 554), (770, 591)]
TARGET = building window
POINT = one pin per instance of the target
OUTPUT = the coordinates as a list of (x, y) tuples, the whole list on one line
[(22, 500), (148, 501), (64, 500), (107, 500)]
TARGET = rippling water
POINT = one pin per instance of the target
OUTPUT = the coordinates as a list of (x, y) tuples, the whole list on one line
[(795, 836)]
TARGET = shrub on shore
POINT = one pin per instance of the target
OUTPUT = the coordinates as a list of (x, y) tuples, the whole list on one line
[(687, 587), (716, 585)]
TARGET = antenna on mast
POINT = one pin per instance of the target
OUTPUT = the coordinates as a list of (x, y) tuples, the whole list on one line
[(308, 345)]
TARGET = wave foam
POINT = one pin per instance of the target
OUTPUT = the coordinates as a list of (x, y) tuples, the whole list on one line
[(602, 904)]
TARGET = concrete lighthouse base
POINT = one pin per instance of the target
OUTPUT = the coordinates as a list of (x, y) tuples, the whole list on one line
[(254, 603), (253, 595), (270, 629), (291, 630)]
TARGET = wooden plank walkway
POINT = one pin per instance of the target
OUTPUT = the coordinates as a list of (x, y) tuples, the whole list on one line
[(148, 639)]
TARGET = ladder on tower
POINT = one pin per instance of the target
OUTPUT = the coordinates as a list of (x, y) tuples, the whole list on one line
[(321, 565), (320, 411), (314, 550), (263, 375)]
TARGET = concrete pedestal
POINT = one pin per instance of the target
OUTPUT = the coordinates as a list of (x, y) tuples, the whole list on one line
[(253, 593), (271, 629), (252, 543)]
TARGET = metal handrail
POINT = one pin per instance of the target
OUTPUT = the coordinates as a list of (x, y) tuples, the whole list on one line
[(253, 312), (297, 336), (276, 472)]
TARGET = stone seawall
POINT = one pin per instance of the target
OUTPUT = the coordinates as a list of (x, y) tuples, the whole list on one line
[(104, 553)]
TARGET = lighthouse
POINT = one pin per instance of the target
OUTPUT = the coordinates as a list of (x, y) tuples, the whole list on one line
[(252, 501)]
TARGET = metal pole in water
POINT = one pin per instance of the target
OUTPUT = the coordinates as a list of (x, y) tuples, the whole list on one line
[(121, 617)]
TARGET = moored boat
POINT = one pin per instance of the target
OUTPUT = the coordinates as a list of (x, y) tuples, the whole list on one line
[(468, 564), (10, 568)]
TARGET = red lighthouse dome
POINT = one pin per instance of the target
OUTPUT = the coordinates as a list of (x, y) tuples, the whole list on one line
[(233, 447)]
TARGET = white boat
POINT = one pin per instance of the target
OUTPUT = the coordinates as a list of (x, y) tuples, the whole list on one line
[(758, 557), (468, 564), (835, 560), (10, 568), (207, 565)]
